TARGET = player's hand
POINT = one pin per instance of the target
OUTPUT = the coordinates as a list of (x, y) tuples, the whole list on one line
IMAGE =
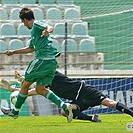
[(9, 52), (45, 32)]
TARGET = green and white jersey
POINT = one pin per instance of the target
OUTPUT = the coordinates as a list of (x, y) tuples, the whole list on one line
[(42, 45)]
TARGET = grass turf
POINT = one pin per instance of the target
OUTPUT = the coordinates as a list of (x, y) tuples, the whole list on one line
[(113, 123)]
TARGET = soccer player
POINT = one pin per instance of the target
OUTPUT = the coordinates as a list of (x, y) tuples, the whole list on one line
[(41, 69), (82, 95)]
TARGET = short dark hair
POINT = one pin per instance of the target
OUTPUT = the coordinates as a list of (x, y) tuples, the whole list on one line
[(26, 13)]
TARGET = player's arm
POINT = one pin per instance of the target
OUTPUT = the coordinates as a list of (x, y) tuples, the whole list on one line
[(5, 84), (44, 27), (46, 31), (19, 51)]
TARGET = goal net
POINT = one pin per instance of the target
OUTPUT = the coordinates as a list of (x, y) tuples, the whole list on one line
[(110, 23), (95, 42)]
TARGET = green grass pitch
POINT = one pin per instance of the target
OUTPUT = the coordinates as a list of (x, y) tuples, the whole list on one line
[(112, 123)]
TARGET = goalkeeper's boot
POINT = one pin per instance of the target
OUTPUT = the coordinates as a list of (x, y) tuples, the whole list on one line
[(68, 111), (6, 85), (19, 77), (95, 118), (8, 111)]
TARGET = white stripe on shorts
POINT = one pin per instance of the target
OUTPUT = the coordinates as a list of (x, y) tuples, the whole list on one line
[(32, 66)]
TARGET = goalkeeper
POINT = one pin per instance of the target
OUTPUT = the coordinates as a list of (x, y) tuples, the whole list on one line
[(82, 95)]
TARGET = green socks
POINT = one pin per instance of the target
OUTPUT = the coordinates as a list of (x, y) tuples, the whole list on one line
[(20, 100), (55, 99), (50, 95)]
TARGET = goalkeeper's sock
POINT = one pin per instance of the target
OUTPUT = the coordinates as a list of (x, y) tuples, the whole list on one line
[(123, 108), (20, 100), (78, 115), (54, 98)]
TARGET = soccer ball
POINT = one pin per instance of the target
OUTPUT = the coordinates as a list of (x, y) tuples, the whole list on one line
[(13, 97)]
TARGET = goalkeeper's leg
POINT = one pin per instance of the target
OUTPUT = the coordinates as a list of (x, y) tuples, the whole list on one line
[(117, 105), (81, 116), (77, 114)]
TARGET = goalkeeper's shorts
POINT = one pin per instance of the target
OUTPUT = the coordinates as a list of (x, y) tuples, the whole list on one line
[(89, 97)]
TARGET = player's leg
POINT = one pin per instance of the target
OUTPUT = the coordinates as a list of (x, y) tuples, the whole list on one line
[(30, 77), (65, 106), (117, 105), (21, 96), (77, 114), (47, 72), (81, 116), (97, 98), (40, 89)]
